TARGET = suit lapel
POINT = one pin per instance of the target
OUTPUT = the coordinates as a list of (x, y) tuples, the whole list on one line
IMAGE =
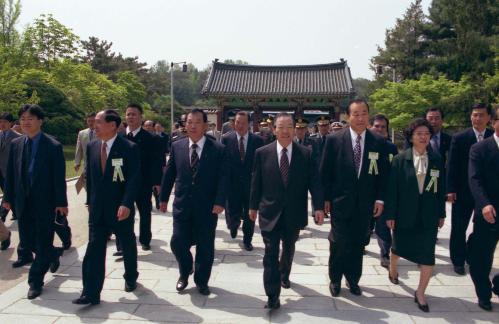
[(274, 160), (249, 148), (411, 171), (205, 155), (40, 156), (368, 143)]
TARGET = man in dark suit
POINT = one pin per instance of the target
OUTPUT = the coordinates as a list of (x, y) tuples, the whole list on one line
[(197, 166), (320, 137), (112, 186), (240, 149), (301, 133), (283, 173), (380, 125), (440, 141), (150, 171), (7, 134), (484, 185), (458, 190), (354, 169), (35, 188)]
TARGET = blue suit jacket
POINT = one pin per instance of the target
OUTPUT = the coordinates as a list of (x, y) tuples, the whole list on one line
[(195, 195)]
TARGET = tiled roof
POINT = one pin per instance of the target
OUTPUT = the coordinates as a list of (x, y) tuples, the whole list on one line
[(322, 80)]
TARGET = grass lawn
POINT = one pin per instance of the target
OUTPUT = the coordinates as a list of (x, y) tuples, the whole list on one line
[(69, 155)]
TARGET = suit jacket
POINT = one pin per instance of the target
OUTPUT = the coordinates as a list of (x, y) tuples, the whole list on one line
[(105, 195), (348, 193), (403, 201), (484, 175), (195, 195), (457, 167), (48, 185), (391, 150), (151, 158), (5, 148), (239, 171), (81, 145), (269, 195)]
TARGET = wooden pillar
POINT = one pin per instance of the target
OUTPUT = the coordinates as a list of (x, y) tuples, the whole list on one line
[(257, 115)]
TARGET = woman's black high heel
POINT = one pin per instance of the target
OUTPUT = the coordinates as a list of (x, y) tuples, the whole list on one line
[(424, 307)]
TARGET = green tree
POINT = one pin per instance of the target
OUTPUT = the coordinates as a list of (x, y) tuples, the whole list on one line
[(47, 40), (134, 90), (9, 15)]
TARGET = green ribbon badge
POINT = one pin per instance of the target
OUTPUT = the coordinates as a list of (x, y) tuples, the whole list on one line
[(118, 173), (373, 165), (434, 174), (390, 157)]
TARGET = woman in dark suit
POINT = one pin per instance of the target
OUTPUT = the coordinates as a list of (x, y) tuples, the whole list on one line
[(415, 206)]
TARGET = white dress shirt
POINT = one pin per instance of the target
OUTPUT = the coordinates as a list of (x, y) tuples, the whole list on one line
[(109, 144), (497, 139), (199, 149), (279, 152), (354, 135), (135, 132), (479, 133), (245, 141)]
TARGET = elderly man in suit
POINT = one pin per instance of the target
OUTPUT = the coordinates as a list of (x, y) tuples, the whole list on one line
[(198, 168), (112, 186), (283, 174), (85, 136), (240, 147), (353, 169), (7, 134), (458, 189), (35, 187), (484, 185)]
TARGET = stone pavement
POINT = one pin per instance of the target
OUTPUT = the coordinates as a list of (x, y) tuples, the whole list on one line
[(237, 289)]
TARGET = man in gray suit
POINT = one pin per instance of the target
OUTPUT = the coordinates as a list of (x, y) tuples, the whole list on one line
[(6, 136), (84, 137)]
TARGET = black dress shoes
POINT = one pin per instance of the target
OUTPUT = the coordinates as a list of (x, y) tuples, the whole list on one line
[(146, 247), (21, 263), (54, 265), (118, 253), (285, 283), (6, 243), (34, 292), (273, 303), (182, 283), (85, 300), (460, 270), (233, 233), (335, 289), (485, 305), (354, 289), (394, 280), (248, 246), (424, 307), (204, 290), (130, 286)]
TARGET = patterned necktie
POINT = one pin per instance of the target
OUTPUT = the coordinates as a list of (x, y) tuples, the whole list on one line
[(357, 153), (434, 143), (480, 137), (103, 156), (194, 159), (284, 166), (91, 135), (242, 153)]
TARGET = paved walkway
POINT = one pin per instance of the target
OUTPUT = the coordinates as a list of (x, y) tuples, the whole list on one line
[(237, 289)]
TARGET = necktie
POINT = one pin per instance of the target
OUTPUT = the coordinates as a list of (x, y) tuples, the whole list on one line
[(103, 156), (27, 162), (323, 140), (434, 143), (480, 137), (4, 135), (357, 153), (284, 166), (242, 153), (91, 135), (130, 136), (194, 159)]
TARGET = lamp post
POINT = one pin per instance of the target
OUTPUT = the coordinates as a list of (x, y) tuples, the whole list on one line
[(184, 69)]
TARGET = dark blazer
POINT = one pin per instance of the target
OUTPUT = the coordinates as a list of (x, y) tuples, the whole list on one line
[(5, 148), (239, 171), (207, 189), (269, 195), (403, 202), (342, 187), (48, 187), (391, 150), (484, 175), (457, 167), (151, 158), (104, 195)]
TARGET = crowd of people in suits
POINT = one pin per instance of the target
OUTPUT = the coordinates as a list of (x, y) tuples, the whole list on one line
[(353, 172)]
